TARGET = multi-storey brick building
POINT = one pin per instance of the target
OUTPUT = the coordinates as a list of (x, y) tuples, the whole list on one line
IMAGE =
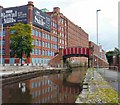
[(99, 55), (50, 30), (48, 37), (72, 34)]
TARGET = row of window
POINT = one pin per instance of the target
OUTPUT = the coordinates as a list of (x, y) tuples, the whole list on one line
[(3, 51), (45, 44), (43, 99), (40, 60), (40, 34), (37, 84), (42, 52)]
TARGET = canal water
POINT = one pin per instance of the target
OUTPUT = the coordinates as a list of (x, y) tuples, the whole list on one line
[(52, 88)]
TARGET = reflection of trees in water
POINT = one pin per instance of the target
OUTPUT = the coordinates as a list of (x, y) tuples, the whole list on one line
[(17, 96), (82, 71)]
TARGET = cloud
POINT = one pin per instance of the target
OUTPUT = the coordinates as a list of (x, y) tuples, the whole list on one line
[(83, 13)]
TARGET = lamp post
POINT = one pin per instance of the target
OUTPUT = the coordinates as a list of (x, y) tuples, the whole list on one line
[(97, 34), (1, 35)]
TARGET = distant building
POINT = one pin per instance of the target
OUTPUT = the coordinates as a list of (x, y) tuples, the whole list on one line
[(99, 54)]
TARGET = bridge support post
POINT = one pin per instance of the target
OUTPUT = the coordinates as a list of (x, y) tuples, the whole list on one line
[(64, 61), (88, 62)]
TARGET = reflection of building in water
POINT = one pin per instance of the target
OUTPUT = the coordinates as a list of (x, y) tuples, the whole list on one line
[(14, 93), (43, 89), (51, 90)]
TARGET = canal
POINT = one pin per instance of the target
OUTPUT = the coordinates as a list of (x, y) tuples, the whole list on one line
[(52, 88)]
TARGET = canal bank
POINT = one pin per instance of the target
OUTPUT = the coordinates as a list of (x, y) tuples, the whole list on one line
[(50, 88), (97, 90), (11, 74)]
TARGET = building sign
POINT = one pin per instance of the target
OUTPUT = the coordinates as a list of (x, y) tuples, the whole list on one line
[(14, 15), (42, 20)]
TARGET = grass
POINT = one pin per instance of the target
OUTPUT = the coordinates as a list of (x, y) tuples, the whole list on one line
[(104, 93)]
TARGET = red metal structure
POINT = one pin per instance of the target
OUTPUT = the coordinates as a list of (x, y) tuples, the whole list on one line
[(76, 51)]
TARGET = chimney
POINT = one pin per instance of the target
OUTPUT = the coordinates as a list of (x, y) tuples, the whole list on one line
[(56, 9), (30, 3)]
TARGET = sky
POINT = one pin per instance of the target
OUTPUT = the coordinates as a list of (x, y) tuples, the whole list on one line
[(83, 14)]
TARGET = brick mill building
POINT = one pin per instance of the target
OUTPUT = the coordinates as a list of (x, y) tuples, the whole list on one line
[(50, 31)]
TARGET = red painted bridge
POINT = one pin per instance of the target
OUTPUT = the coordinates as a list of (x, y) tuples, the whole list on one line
[(63, 54), (75, 51)]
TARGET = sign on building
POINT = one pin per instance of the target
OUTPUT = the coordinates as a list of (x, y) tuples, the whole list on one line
[(42, 20), (13, 15)]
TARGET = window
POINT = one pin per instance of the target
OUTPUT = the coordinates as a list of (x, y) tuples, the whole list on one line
[(48, 37), (37, 33), (3, 51), (4, 32), (40, 52), (33, 31), (43, 35), (37, 51), (33, 51), (41, 60), (33, 85), (43, 44), (37, 42), (3, 41), (40, 43), (60, 41), (33, 61), (46, 52), (43, 52), (48, 44), (33, 42), (52, 53), (40, 34)]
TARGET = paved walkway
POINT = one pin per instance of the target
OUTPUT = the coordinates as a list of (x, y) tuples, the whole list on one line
[(7, 70), (98, 91)]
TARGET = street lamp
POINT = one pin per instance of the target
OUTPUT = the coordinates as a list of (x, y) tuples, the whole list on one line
[(97, 33), (1, 33)]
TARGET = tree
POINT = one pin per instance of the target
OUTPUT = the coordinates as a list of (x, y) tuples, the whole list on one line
[(20, 41), (109, 56), (117, 53)]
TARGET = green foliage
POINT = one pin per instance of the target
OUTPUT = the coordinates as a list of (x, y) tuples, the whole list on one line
[(69, 67), (110, 54), (20, 40)]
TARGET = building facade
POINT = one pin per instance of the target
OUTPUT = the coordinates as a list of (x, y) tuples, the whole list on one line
[(50, 31), (99, 55), (44, 32), (73, 35)]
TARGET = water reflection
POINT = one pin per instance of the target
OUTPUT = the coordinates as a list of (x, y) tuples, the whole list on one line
[(43, 89)]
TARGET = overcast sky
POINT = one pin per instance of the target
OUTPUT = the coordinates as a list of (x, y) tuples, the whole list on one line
[(83, 13)]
